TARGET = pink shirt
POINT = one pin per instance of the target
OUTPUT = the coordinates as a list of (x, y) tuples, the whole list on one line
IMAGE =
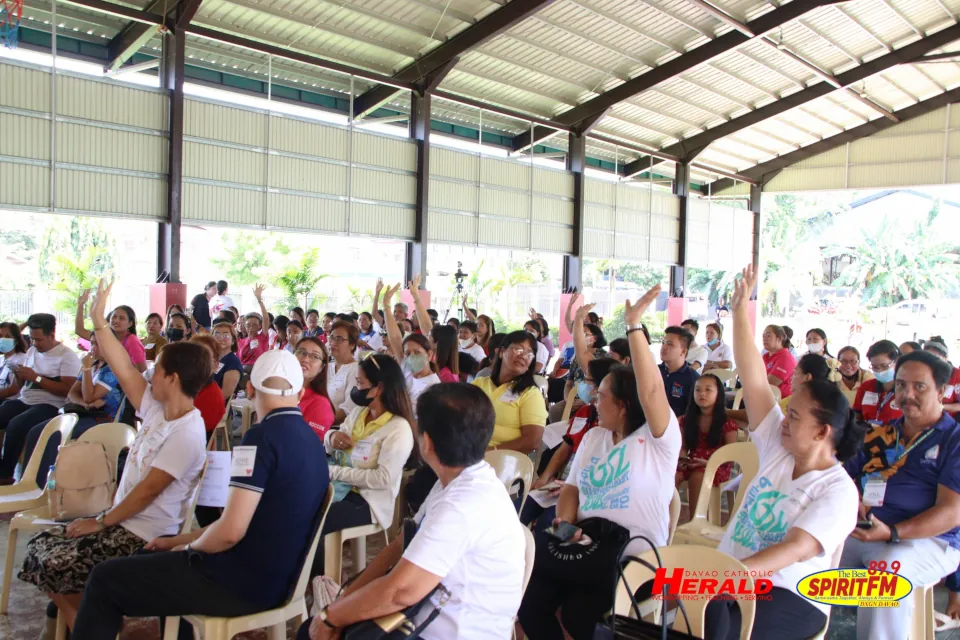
[(317, 411), (135, 349), (446, 375), (781, 364), (252, 348)]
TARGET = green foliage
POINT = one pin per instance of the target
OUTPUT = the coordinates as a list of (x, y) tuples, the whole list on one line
[(360, 300), (615, 327), (790, 247), (299, 281), (250, 257), (714, 284), (74, 257)]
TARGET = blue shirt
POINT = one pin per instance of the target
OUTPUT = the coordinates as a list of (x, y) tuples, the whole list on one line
[(105, 378), (229, 362), (679, 386), (290, 471), (912, 489)]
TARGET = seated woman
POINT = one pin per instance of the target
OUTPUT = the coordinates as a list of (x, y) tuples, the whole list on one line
[(415, 355), (850, 376), (210, 400), (778, 359), (444, 339), (486, 329), (369, 450), (178, 328), (817, 343), (495, 346), (557, 459), (229, 370), (542, 356), (370, 339), (810, 366), (341, 340), (172, 309), (154, 340), (294, 334), (468, 537), (705, 428), (279, 334), (315, 404), (619, 483), (817, 502), (296, 313), (589, 342), (619, 349), (158, 480), (13, 350), (123, 321), (719, 353), (468, 340)]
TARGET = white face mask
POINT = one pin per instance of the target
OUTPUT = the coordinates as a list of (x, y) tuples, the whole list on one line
[(465, 343), (815, 347)]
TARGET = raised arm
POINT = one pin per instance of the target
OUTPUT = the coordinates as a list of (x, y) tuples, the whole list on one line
[(393, 329), (258, 290), (653, 397), (376, 301), (469, 315), (757, 396), (113, 352), (583, 351), (426, 322), (90, 391), (78, 327), (566, 314)]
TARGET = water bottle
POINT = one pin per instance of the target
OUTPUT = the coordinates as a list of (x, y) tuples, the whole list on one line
[(51, 481)]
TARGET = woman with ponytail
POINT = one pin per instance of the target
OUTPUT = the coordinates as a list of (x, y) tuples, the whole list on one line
[(801, 506)]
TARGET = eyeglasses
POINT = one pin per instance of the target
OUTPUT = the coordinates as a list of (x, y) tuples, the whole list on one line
[(850, 363), (303, 353), (882, 367), (336, 339), (521, 352)]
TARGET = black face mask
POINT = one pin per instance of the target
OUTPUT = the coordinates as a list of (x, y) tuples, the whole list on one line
[(359, 397), (175, 335)]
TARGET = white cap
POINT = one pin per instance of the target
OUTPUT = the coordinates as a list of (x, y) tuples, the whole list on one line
[(277, 364)]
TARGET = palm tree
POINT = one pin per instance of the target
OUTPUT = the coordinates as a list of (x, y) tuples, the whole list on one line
[(715, 283), (298, 281), (790, 250)]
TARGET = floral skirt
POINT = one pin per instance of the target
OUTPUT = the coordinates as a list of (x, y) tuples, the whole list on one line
[(58, 564)]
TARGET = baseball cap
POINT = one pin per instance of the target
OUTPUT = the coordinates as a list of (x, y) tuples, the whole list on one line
[(277, 364)]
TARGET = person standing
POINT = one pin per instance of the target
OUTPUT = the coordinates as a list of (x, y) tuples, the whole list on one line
[(221, 300), (200, 306)]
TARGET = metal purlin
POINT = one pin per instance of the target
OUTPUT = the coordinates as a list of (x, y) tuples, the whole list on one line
[(946, 144), (533, 144), (616, 200), (650, 211), (266, 181), (350, 156), (53, 107), (479, 177)]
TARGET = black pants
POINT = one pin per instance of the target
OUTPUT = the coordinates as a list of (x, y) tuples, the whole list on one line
[(784, 616), (154, 584), (419, 487), (16, 420), (580, 609), (352, 511)]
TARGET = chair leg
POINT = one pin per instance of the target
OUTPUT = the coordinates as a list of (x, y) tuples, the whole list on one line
[(713, 515), (61, 627), (359, 554), (171, 627), (333, 556), (8, 569), (277, 632)]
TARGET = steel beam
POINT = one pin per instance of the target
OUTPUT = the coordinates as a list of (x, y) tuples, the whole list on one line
[(136, 34), (437, 58)]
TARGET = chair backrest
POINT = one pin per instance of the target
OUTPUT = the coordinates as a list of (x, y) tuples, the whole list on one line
[(568, 407), (529, 554), (738, 399), (301, 587), (114, 436), (689, 558), (511, 466), (675, 506), (221, 427), (188, 519), (745, 455), (776, 393), (724, 375), (62, 423)]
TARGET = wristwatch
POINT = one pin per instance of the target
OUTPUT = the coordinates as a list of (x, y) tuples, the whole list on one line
[(634, 327), (894, 535), (38, 379), (324, 620), (100, 518)]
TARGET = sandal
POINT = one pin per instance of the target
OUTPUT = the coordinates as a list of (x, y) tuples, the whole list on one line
[(943, 622)]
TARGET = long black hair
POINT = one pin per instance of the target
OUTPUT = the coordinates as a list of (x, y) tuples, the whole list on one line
[(832, 408), (814, 365), (823, 336), (131, 316), (19, 344), (445, 339), (385, 371), (691, 419), (623, 387), (525, 380)]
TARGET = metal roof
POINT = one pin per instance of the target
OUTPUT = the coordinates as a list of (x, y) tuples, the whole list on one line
[(572, 51)]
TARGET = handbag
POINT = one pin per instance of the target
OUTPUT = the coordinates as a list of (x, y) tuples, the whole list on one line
[(590, 566), (402, 624), (83, 412)]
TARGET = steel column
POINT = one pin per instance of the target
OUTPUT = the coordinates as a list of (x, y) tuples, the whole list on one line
[(416, 258), (576, 163), (681, 189), (172, 76)]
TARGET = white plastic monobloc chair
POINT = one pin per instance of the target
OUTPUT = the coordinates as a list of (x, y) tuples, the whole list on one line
[(275, 619), (511, 467)]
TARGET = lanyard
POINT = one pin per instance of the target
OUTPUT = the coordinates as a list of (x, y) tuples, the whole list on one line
[(912, 446), (883, 403)]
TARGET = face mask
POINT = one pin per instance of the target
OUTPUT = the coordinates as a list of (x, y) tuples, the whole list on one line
[(714, 342), (415, 362), (584, 392), (175, 335), (359, 397), (815, 347), (534, 334), (6, 345), (884, 377), (465, 344)]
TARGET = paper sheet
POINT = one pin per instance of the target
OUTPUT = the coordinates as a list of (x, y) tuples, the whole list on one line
[(544, 497), (553, 434), (216, 483), (733, 484), (47, 522)]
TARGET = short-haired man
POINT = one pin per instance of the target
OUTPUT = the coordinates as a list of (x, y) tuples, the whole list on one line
[(48, 372), (401, 311), (469, 538), (678, 377), (247, 560), (951, 393), (696, 354), (256, 343), (200, 306), (221, 300), (908, 473)]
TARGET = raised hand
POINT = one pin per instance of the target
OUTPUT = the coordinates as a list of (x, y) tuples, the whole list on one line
[(582, 312), (84, 296), (258, 290), (633, 313), (99, 308), (743, 288), (414, 285), (379, 287), (388, 295), (533, 313)]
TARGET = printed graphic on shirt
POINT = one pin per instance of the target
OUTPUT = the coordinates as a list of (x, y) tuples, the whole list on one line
[(761, 522), (882, 449), (606, 484), (677, 390)]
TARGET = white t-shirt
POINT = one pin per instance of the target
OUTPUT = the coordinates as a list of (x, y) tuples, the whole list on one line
[(178, 447), (59, 362), (219, 303), (723, 352), (476, 351), (630, 483), (7, 376), (697, 353), (471, 537), (374, 341), (543, 356), (416, 386), (822, 503), (341, 378)]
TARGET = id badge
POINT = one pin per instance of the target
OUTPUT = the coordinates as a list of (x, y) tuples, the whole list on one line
[(578, 425), (362, 451), (874, 492)]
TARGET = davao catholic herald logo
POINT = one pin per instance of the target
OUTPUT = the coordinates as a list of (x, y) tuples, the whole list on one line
[(870, 587)]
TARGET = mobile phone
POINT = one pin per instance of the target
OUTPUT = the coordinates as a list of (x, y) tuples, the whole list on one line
[(562, 532), (864, 524)]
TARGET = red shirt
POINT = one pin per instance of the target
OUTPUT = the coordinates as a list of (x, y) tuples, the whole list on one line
[(211, 405), (317, 411), (781, 364), (875, 405), (252, 348), (581, 422), (952, 392)]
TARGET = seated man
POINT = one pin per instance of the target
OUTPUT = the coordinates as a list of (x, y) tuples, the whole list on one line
[(50, 368), (469, 537), (247, 560), (678, 376), (908, 473)]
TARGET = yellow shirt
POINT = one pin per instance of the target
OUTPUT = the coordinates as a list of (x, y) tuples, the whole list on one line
[(512, 411), (851, 394)]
